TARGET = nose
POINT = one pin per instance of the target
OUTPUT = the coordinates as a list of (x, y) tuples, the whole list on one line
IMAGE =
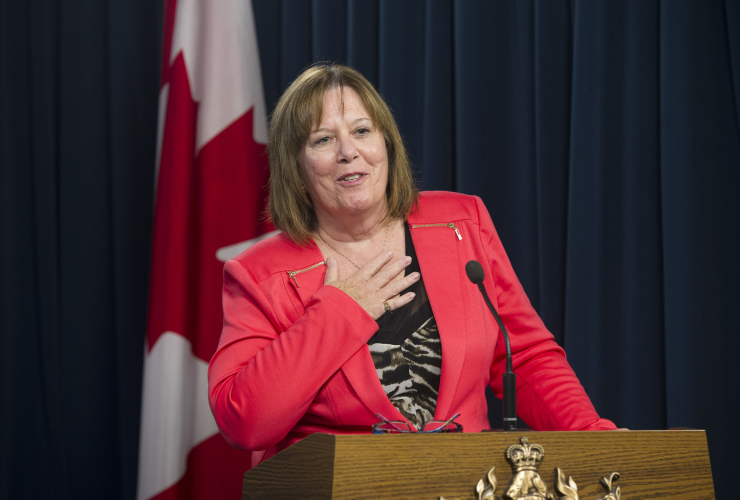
[(346, 149)]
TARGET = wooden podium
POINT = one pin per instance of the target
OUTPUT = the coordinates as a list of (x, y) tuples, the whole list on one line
[(651, 464)]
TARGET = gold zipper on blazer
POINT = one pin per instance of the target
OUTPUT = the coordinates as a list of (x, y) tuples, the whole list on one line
[(451, 225), (293, 274)]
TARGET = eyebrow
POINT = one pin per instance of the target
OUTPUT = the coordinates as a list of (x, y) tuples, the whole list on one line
[(354, 122)]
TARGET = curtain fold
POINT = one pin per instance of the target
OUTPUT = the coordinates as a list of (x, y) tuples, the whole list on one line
[(700, 179), (78, 94), (552, 80), (614, 287)]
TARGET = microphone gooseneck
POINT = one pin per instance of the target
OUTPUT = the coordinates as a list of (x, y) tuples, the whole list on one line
[(476, 275)]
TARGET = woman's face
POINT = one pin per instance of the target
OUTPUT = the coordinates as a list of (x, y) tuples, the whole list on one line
[(344, 163)]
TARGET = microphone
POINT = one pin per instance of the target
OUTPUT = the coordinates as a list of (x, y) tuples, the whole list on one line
[(476, 275)]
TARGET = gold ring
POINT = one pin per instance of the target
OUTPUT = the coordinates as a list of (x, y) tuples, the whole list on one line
[(386, 306)]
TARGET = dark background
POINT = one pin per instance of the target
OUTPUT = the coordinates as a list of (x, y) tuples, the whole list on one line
[(602, 136)]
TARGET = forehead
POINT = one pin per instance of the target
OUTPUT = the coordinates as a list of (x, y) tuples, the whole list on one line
[(340, 101)]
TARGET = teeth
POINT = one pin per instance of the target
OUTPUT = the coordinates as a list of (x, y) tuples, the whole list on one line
[(352, 177)]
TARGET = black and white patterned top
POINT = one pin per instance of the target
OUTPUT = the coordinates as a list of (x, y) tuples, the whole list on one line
[(407, 352)]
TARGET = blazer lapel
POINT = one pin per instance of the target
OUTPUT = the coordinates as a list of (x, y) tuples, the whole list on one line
[(442, 259), (359, 369)]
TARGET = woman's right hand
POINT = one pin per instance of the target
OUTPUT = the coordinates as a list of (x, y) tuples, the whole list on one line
[(375, 283)]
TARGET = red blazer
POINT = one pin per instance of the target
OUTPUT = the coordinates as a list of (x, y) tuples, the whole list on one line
[(293, 356)]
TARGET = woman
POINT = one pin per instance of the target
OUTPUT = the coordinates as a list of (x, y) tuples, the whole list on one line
[(361, 305)]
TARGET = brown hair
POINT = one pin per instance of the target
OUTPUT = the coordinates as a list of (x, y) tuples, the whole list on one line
[(297, 112)]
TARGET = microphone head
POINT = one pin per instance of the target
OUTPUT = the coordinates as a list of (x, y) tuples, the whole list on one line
[(475, 272)]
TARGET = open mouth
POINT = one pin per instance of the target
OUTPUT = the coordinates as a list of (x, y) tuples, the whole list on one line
[(350, 177)]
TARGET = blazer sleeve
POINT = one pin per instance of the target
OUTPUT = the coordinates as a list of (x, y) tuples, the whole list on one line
[(549, 395), (262, 380)]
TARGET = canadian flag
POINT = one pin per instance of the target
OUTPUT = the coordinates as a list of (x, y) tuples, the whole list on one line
[(210, 200)]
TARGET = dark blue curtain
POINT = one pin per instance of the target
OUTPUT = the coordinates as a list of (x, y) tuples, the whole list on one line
[(602, 136), (78, 113)]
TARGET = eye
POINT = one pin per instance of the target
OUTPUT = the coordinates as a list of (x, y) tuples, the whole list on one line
[(363, 131), (322, 140)]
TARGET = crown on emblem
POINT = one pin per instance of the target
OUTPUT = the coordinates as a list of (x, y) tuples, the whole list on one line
[(524, 456)]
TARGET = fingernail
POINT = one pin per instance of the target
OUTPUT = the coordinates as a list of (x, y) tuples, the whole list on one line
[(407, 260), (329, 262), (389, 254), (416, 276), (411, 294)]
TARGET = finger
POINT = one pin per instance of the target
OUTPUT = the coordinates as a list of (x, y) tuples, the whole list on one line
[(399, 286), (374, 265), (400, 301), (391, 270), (401, 273), (332, 270)]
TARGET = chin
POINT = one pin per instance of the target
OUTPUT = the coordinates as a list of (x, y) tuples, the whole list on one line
[(361, 203)]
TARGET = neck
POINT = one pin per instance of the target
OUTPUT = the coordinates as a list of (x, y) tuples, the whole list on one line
[(352, 227)]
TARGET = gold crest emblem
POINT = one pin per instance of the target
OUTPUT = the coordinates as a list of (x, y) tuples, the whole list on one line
[(526, 483)]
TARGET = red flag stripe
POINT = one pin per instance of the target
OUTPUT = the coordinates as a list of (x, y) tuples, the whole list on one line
[(207, 464), (170, 7), (211, 195)]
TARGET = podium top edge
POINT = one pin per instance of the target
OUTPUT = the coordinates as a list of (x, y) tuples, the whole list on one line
[(519, 432)]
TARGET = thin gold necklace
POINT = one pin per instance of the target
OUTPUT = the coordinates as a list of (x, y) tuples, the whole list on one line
[(350, 260)]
